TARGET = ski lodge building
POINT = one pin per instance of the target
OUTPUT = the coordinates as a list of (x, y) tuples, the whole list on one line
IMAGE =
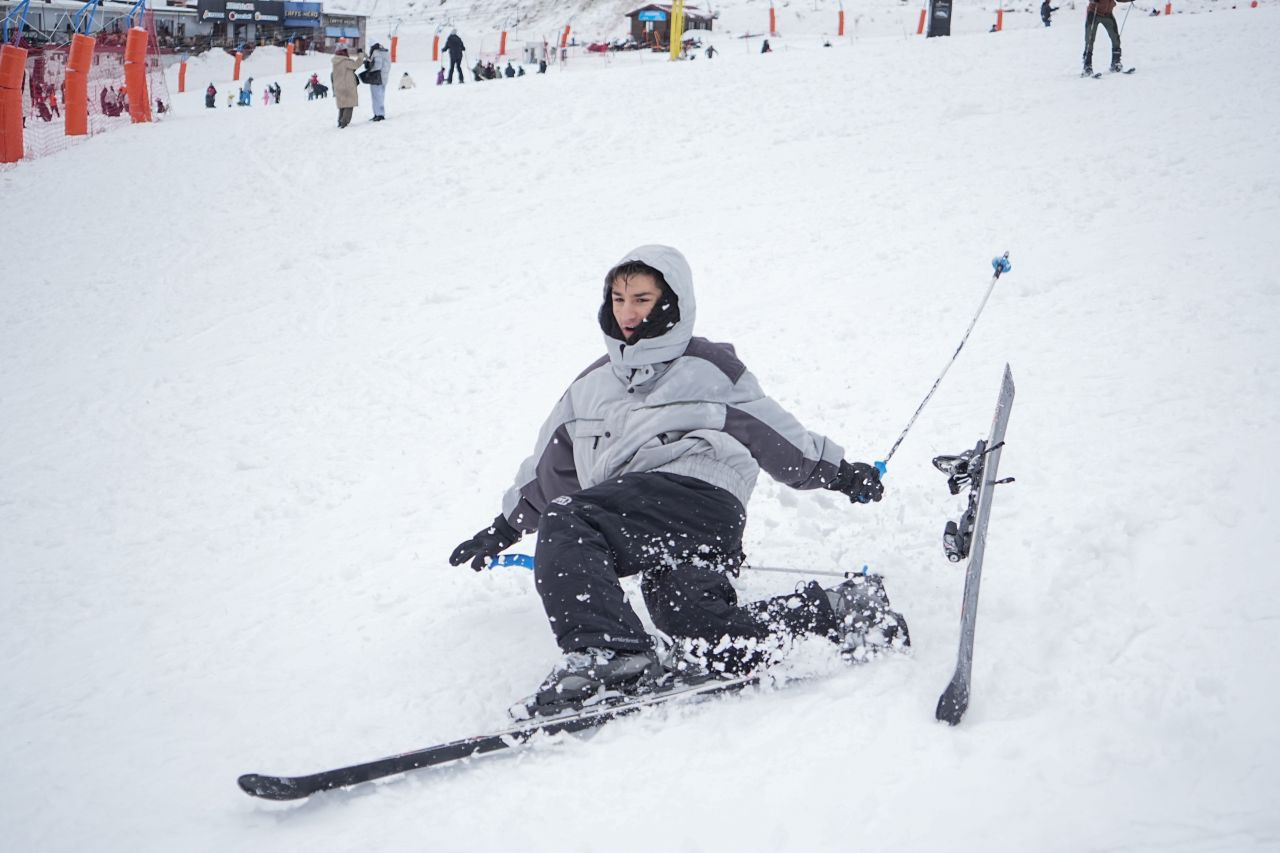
[(652, 24)]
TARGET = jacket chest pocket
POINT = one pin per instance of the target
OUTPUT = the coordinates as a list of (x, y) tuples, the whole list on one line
[(588, 438)]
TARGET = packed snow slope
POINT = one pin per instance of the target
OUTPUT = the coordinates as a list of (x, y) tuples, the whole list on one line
[(258, 376)]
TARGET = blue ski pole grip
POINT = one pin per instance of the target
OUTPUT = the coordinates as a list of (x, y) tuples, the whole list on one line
[(882, 467), (1001, 264), (522, 560)]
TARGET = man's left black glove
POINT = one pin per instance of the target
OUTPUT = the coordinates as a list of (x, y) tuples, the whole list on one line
[(486, 544), (861, 482)]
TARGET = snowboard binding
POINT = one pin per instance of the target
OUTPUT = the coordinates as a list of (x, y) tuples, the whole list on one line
[(964, 471)]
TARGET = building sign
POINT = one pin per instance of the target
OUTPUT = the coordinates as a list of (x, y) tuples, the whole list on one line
[(652, 15), (241, 11), (302, 14)]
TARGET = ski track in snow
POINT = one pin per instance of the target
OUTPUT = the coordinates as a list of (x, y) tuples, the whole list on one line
[(240, 441)]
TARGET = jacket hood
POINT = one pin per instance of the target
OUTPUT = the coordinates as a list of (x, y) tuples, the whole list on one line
[(669, 346)]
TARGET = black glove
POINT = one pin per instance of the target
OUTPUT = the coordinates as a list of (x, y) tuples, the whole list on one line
[(861, 482), (486, 544)]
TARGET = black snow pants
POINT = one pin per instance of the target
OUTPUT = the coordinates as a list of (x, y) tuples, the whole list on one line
[(456, 62), (683, 536), (1108, 23)]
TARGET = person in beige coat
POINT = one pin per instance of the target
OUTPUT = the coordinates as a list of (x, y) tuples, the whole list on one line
[(344, 83)]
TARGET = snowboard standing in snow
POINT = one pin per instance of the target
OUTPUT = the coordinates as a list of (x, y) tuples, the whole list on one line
[(975, 469)]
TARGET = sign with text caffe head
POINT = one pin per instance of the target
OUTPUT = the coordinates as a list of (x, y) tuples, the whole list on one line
[(302, 14)]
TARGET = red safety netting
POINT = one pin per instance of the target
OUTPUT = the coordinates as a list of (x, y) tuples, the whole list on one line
[(44, 90)]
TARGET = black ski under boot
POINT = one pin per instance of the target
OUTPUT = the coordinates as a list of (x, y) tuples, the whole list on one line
[(587, 676), (867, 625)]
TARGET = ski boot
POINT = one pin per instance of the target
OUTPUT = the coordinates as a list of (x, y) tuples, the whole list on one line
[(589, 676), (1116, 67), (867, 625)]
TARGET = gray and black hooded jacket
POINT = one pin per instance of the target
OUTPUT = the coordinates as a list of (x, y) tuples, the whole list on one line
[(672, 403)]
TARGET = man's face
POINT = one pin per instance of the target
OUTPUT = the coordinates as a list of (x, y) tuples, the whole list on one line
[(633, 299)]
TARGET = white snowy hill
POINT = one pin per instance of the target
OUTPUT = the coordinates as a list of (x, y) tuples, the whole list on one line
[(258, 376)]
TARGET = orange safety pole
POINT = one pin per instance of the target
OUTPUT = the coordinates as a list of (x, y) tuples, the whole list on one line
[(502, 44), (1168, 8), (564, 38), (135, 74), (239, 58), (920, 26), (435, 48), (999, 20), (76, 109), (288, 58), (773, 22), (395, 42), (13, 67), (182, 77), (840, 25)]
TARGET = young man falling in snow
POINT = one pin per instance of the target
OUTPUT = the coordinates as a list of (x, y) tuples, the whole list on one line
[(645, 466)]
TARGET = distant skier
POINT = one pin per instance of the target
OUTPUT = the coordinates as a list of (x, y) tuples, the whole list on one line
[(1100, 12), (765, 48), (343, 80), (1046, 12), (406, 82), (209, 94), (379, 66), (455, 48), (246, 93), (645, 467)]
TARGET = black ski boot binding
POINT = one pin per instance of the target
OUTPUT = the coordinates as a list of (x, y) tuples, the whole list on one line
[(589, 677), (867, 625), (964, 472)]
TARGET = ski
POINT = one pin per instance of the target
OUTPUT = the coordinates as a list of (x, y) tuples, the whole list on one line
[(593, 716), (1092, 75), (975, 469)]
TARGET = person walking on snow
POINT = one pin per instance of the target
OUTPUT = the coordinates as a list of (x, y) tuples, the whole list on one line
[(379, 65), (645, 467), (455, 48), (209, 94), (1046, 12), (1100, 12), (343, 79)]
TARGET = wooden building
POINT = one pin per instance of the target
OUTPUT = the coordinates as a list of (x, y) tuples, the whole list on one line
[(652, 24)]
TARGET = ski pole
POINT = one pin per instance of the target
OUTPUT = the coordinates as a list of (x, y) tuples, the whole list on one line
[(525, 561), (1126, 17), (1000, 265)]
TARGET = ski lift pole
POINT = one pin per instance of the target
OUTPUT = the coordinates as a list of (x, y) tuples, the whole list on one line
[(1001, 265), (19, 16), (138, 9), (92, 8)]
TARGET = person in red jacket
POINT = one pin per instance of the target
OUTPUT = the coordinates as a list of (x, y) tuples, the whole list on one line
[(1100, 12)]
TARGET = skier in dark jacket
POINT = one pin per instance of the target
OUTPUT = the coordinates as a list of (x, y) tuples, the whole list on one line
[(1100, 12), (455, 48), (645, 467), (1046, 12), (209, 95)]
